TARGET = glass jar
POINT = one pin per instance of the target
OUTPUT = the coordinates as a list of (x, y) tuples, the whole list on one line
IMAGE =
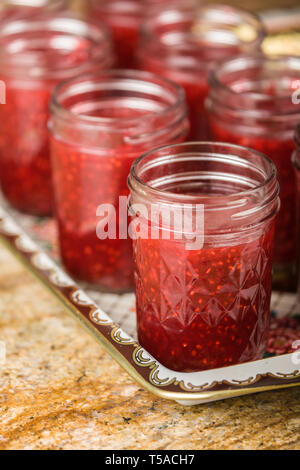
[(296, 162), (184, 45), (35, 55), (203, 276), (100, 124), (251, 104), (11, 8), (124, 18)]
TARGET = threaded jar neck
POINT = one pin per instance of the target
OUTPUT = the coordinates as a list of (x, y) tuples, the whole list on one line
[(236, 187), (257, 93), (119, 108), (198, 37), (53, 46)]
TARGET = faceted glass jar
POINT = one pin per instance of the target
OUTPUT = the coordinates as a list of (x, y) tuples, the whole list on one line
[(203, 215), (100, 124), (186, 44), (251, 103), (35, 55)]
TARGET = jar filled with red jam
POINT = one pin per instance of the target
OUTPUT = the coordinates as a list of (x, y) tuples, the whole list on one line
[(124, 18), (186, 44), (296, 162), (35, 55), (100, 124), (11, 8), (203, 219), (251, 104)]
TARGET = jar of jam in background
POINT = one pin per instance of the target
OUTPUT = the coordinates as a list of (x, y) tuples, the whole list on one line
[(251, 104), (296, 162), (184, 45), (204, 304), (13, 8), (124, 17), (100, 124), (35, 55)]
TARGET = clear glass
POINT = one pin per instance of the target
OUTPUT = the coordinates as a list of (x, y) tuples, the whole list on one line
[(251, 104), (296, 162), (185, 44), (207, 306), (124, 17), (100, 124), (35, 55), (11, 8)]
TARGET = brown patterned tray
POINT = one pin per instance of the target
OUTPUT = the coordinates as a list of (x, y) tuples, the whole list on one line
[(111, 320)]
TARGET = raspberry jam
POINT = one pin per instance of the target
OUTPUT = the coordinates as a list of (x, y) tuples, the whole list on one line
[(35, 55), (205, 304), (184, 44), (99, 126), (296, 162), (124, 18), (250, 104)]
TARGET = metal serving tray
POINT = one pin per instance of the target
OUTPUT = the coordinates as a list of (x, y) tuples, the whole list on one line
[(111, 320)]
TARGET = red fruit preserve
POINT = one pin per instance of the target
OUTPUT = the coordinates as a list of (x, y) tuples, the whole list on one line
[(251, 104), (185, 44), (35, 55), (124, 18), (203, 278), (296, 162), (99, 125)]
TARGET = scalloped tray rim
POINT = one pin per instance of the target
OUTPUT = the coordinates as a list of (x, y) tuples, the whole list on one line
[(185, 388)]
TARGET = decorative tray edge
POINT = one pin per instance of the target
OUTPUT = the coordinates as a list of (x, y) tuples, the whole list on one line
[(185, 388)]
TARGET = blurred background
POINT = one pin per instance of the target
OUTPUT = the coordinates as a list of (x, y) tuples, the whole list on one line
[(254, 5), (283, 29)]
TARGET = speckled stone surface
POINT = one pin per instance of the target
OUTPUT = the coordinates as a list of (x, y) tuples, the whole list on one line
[(60, 390)]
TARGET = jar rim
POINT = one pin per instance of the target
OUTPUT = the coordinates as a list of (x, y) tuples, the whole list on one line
[(31, 62), (52, 4), (142, 77), (206, 148), (211, 20), (129, 8), (224, 93)]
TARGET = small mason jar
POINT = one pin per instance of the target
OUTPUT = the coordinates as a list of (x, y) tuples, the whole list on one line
[(124, 18), (35, 55), (203, 225), (99, 125), (185, 44), (253, 102), (296, 162), (11, 8)]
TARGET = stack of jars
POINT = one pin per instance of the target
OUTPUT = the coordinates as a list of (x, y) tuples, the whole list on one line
[(99, 111)]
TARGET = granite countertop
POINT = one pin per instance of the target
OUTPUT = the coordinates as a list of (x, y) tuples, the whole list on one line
[(60, 390)]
